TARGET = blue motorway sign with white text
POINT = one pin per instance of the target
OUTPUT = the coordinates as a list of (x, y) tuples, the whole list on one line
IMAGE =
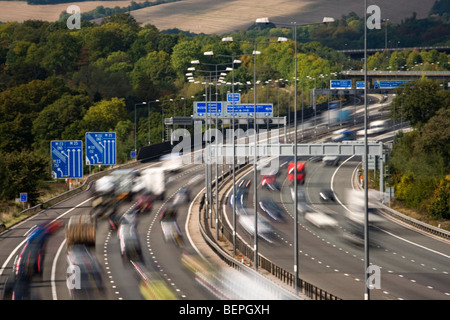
[(249, 109), (67, 158), (236, 97), (100, 148), (213, 108), (389, 84), (340, 84)]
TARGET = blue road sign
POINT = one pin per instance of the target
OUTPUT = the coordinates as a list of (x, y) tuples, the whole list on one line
[(340, 84), (213, 107), (133, 154), (389, 84), (101, 148), (360, 85), (67, 158), (236, 98), (23, 197), (249, 109)]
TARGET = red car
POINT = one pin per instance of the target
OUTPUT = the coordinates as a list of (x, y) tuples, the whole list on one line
[(145, 202), (301, 173)]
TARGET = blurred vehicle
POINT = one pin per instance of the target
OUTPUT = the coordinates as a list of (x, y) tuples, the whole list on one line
[(104, 201), (30, 259), (152, 285), (81, 229), (153, 180), (265, 230), (270, 182), (124, 180), (182, 196), (272, 209), (29, 262), (326, 195), (88, 281), (301, 172), (302, 204), (172, 162), (144, 202), (244, 184), (330, 160), (234, 284), (241, 191), (104, 185), (343, 135), (169, 225), (130, 246), (320, 219), (375, 127)]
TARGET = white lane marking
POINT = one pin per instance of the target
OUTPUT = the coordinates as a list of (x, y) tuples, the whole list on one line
[(20, 244), (387, 232), (53, 275)]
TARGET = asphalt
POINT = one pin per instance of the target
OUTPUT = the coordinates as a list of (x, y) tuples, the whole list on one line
[(204, 250)]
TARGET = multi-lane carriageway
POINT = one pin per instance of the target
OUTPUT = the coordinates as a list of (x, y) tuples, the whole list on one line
[(413, 265)]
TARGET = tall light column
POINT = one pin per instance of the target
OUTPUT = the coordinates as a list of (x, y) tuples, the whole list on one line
[(294, 25), (233, 102), (366, 209), (255, 183)]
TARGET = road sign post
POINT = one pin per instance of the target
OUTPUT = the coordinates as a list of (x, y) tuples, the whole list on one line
[(101, 148)]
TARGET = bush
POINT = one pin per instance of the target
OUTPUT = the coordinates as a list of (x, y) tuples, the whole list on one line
[(440, 202)]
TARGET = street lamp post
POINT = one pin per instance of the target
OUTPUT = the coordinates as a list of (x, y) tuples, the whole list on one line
[(366, 215), (233, 62), (207, 170), (255, 52), (135, 127), (294, 26), (148, 103)]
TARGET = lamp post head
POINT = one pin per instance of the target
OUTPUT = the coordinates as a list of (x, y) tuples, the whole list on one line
[(208, 53), (227, 39), (327, 20)]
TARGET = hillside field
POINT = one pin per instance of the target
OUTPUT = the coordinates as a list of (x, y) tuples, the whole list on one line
[(220, 17)]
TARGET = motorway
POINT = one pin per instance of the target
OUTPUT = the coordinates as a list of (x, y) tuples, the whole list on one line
[(120, 279), (413, 265)]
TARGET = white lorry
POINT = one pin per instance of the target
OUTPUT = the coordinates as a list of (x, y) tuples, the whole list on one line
[(153, 180)]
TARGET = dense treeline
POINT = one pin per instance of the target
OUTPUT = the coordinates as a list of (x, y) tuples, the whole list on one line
[(57, 84), (420, 162)]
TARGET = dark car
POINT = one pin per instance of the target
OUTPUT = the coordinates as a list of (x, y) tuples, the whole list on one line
[(272, 209), (326, 195)]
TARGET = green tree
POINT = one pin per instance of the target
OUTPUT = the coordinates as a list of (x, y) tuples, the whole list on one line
[(54, 119), (24, 172), (418, 101), (61, 52), (104, 115), (155, 66), (183, 53), (440, 203)]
